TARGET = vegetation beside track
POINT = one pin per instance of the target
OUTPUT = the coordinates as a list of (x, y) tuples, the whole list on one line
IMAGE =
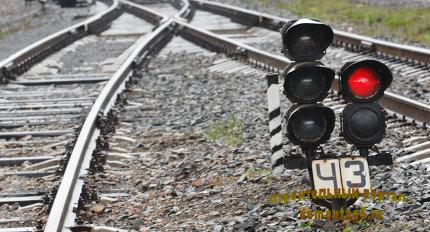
[(228, 132), (3, 34), (406, 23)]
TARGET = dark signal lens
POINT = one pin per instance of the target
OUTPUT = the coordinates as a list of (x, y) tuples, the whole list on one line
[(309, 125), (308, 82), (305, 43), (364, 82), (363, 124), (305, 39), (307, 87)]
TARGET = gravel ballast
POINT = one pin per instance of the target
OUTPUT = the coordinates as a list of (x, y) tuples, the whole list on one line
[(181, 180)]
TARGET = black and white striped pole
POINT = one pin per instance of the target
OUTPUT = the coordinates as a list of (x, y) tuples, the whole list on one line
[(275, 122)]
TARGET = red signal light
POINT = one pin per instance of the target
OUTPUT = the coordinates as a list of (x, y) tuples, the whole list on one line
[(363, 82)]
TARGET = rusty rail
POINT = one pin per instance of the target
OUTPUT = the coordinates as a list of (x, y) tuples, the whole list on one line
[(61, 215)]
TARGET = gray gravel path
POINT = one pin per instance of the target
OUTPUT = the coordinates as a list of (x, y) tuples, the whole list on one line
[(29, 24)]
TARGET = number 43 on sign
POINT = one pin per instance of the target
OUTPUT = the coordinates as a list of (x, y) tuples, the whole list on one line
[(344, 173)]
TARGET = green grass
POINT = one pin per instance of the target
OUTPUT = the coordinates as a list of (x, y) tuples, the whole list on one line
[(256, 172), (362, 225), (229, 132), (347, 229), (3, 34), (407, 23), (306, 225)]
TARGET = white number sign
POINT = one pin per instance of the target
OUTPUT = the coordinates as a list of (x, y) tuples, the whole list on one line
[(326, 174), (355, 173), (341, 173)]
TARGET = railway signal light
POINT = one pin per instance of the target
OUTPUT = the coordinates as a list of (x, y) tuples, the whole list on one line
[(307, 82), (67, 3), (309, 125), (363, 124), (362, 84), (364, 81), (305, 39)]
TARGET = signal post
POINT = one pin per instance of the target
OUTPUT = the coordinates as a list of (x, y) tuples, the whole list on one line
[(306, 83)]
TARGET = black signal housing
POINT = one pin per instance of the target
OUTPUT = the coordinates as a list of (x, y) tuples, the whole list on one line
[(67, 3), (307, 82), (309, 125), (363, 83), (305, 39), (363, 124)]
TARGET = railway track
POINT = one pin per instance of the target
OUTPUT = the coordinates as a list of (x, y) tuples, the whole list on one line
[(44, 109), (409, 64), (250, 28), (237, 36), (147, 123)]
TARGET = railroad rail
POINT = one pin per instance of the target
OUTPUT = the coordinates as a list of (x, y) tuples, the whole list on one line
[(70, 189), (394, 102), (53, 108), (254, 18), (61, 215), (20, 61)]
